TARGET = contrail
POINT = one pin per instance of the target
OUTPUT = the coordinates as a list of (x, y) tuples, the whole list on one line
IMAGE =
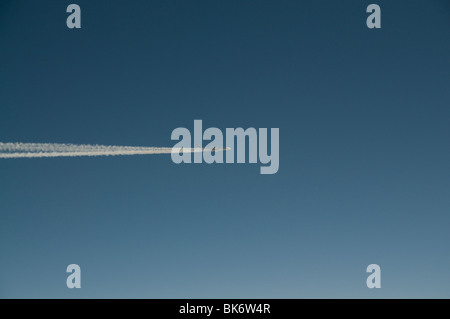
[(31, 150)]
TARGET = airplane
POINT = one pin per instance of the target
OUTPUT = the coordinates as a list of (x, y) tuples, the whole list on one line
[(214, 149), (198, 149)]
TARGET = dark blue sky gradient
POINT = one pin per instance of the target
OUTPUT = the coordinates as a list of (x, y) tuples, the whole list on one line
[(364, 159)]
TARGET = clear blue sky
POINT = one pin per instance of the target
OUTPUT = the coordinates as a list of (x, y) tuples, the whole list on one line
[(364, 159)]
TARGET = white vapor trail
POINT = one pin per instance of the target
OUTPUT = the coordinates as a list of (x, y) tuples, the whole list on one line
[(30, 150)]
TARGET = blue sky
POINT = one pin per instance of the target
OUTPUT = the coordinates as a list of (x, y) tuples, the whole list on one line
[(364, 160)]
